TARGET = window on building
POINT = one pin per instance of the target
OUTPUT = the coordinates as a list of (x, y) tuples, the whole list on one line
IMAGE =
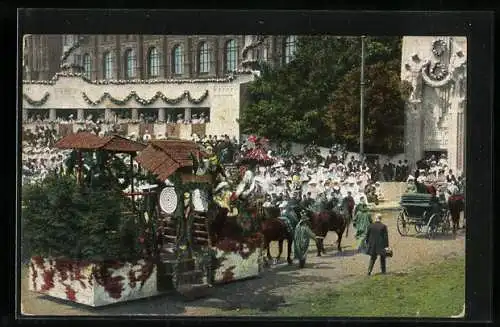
[(204, 58), (108, 65), (290, 46), (87, 66), (154, 62), (257, 55), (78, 60), (231, 55), (130, 63), (178, 60), (265, 53)]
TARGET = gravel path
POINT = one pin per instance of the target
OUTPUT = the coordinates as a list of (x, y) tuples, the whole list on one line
[(280, 284)]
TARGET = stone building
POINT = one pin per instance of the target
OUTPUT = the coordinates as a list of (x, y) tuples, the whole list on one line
[(172, 78), (106, 57), (436, 68)]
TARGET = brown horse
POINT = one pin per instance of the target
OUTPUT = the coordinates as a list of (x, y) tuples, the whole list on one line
[(325, 221), (456, 204), (221, 227), (274, 229)]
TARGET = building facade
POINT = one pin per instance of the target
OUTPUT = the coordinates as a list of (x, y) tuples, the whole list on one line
[(436, 68), (105, 57), (127, 77)]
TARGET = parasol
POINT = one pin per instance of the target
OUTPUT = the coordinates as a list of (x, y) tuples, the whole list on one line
[(257, 153)]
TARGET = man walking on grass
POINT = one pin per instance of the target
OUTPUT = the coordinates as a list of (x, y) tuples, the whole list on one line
[(377, 239)]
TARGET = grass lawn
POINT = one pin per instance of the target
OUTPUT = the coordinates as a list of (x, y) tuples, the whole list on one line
[(433, 291)]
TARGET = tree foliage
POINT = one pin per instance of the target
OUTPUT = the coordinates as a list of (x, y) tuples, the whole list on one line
[(294, 102), (384, 117)]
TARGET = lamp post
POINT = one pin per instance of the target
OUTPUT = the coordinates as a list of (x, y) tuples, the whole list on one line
[(362, 100)]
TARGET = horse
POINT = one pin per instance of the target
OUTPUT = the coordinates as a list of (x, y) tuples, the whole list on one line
[(456, 204), (277, 227), (326, 220)]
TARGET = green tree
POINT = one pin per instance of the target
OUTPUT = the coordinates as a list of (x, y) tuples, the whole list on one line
[(288, 103), (384, 108), (293, 102)]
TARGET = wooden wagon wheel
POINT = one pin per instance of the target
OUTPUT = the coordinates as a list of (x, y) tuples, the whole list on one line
[(402, 223), (432, 226)]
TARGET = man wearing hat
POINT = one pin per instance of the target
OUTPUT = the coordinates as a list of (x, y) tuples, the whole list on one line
[(377, 239)]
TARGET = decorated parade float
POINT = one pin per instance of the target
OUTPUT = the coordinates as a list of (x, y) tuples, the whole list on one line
[(93, 243)]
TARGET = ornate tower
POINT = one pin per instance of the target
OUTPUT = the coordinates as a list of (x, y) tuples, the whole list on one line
[(436, 68)]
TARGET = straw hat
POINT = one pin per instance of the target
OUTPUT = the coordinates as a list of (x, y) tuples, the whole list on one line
[(222, 185)]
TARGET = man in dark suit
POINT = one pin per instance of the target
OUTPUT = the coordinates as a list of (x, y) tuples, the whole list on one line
[(377, 239)]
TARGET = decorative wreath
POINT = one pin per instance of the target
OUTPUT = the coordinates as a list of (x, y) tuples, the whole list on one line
[(438, 48), (438, 71)]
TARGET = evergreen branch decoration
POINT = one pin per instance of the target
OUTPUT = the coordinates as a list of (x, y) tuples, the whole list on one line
[(143, 101), (37, 103), (230, 77), (66, 53)]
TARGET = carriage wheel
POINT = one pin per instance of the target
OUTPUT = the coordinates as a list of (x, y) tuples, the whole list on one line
[(432, 226), (445, 223), (402, 224)]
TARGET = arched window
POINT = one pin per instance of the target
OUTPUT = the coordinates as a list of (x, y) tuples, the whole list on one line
[(204, 58), (290, 46), (108, 65), (130, 63), (231, 55), (154, 62), (87, 65), (178, 60)]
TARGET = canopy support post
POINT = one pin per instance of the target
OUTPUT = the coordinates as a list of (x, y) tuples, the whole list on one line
[(132, 176), (80, 167)]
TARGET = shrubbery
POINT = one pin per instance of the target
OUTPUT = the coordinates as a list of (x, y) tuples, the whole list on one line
[(63, 219)]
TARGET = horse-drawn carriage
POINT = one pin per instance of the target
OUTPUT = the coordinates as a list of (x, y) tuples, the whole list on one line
[(426, 212)]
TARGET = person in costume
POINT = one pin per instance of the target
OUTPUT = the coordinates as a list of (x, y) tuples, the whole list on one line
[(361, 222), (222, 196), (247, 185), (302, 236)]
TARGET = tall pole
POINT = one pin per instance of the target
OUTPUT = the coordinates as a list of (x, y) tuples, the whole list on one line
[(362, 100)]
